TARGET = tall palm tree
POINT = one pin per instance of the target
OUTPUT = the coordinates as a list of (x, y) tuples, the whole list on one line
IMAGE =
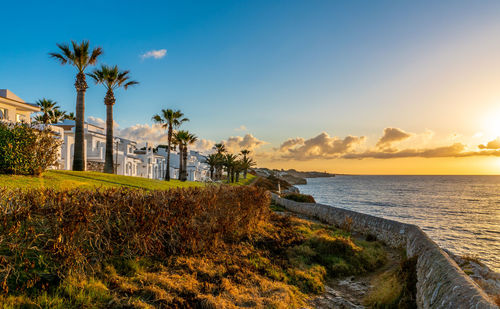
[(170, 120), (79, 56), (46, 107), (111, 78)]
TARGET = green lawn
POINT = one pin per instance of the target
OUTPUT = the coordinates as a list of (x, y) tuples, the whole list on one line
[(70, 179), (243, 182)]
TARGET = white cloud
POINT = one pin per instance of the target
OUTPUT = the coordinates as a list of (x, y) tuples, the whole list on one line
[(478, 135), (235, 144), (241, 128), (101, 122), (157, 54)]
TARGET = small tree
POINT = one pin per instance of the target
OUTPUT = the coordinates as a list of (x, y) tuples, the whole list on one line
[(26, 149)]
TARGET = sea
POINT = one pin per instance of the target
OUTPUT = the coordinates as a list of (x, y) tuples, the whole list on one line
[(460, 213)]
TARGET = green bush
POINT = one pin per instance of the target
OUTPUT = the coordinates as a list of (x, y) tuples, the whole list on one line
[(26, 149), (298, 197)]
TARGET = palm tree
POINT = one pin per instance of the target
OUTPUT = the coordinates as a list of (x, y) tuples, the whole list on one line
[(213, 160), (246, 163), (220, 149), (229, 161), (56, 115), (46, 107), (80, 57), (70, 116), (170, 120), (191, 139), (112, 78), (182, 139), (245, 152)]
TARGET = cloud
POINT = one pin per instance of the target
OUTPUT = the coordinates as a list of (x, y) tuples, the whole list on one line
[(290, 143), (235, 144), (157, 54), (142, 133), (494, 144), (392, 135), (203, 145), (241, 128), (320, 147), (455, 150), (101, 122)]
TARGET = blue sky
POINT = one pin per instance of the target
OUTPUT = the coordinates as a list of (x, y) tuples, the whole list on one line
[(281, 68)]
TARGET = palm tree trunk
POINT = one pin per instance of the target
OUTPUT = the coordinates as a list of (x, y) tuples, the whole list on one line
[(108, 159), (245, 174), (184, 170), (180, 162), (79, 163), (237, 176), (211, 173), (167, 173)]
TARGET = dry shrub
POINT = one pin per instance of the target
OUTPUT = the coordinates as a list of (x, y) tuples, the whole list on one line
[(46, 232), (299, 197)]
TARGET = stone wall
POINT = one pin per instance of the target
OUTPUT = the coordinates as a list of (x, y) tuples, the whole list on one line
[(441, 283)]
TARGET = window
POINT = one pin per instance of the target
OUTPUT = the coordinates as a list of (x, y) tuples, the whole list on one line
[(4, 114), (20, 118)]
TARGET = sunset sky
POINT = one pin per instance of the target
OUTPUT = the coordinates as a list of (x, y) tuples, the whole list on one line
[(362, 87)]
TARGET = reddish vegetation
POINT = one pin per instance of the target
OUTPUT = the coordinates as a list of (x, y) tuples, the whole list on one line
[(71, 230)]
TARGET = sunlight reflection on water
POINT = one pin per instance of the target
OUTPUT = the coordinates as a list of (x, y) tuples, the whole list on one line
[(460, 213)]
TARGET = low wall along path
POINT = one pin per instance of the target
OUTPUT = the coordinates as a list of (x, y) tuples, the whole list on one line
[(441, 283)]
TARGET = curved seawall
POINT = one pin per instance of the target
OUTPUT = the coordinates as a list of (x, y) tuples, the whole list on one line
[(441, 283)]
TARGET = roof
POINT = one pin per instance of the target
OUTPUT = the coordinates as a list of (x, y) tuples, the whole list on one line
[(13, 99)]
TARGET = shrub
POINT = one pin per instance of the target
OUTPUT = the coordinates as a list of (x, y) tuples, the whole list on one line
[(47, 232), (298, 197), (26, 149)]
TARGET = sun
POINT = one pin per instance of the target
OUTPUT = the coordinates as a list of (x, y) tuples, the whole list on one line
[(491, 124)]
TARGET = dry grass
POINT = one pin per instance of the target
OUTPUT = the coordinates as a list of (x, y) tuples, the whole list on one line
[(218, 247)]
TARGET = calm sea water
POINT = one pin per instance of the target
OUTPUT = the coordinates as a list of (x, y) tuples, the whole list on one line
[(460, 213)]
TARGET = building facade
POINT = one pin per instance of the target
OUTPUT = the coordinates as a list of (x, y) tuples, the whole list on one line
[(13, 109)]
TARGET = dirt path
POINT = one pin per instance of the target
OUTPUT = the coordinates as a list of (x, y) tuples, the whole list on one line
[(349, 292)]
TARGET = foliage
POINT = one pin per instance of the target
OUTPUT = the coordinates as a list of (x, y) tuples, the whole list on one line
[(261, 260), (26, 149), (169, 120), (112, 77), (395, 288), (77, 55), (298, 197), (48, 233), (72, 179)]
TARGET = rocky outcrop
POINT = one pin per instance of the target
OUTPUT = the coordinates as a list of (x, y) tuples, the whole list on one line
[(441, 283)]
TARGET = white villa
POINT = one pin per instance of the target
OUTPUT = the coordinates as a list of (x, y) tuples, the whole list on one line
[(130, 161), (12, 108)]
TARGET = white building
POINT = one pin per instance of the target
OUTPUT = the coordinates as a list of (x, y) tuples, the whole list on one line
[(126, 161), (147, 162), (13, 109), (130, 161)]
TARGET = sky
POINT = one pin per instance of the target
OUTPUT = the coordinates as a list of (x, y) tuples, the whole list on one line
[(356, 87)]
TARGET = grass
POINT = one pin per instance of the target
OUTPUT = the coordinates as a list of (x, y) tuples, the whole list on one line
[(283, 263), (71, 179), (242, 181)]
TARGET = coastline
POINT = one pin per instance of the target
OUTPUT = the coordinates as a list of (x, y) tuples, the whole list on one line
[(440, 279)]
